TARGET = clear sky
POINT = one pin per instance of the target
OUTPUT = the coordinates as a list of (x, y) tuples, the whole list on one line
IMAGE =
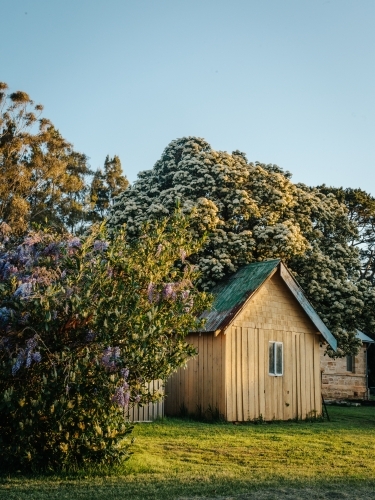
[(290, 82)]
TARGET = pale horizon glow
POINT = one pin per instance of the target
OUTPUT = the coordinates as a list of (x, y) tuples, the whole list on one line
[(290, 83)]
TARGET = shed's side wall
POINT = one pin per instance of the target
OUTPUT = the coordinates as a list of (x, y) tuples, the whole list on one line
[(338, 383), (273, 314), (200, 385)]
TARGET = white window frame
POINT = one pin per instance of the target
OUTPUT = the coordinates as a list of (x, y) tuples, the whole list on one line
[(272, 370)]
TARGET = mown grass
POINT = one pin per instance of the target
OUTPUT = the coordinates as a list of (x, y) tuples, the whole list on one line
[(177, 459)]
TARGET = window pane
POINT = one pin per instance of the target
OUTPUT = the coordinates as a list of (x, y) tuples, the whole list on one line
[(279, 358), (349, 363), (271, 357)]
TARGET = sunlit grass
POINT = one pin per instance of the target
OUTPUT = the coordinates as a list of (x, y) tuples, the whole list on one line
[(183, 459)]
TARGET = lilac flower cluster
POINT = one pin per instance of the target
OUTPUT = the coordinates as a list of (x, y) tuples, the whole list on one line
[(152, 293), (100, 246), (90, 336), (110, 358), (122, 393), (28, 355), (74, 242), (172, 291), (5, 315), (24, 290)]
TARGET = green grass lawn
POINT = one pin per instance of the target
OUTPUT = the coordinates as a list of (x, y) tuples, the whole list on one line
[(176, 459)]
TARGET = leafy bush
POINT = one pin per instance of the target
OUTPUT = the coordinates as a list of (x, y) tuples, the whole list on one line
[(84, 325)]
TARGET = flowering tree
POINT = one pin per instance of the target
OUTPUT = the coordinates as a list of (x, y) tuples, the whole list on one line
[(254, 212), (84, 325)]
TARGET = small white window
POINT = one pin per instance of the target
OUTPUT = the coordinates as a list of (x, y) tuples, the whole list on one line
[(275, 358), (350, 364)]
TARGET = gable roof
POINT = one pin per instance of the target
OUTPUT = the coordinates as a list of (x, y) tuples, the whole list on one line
[(231, 295), (364, 337)]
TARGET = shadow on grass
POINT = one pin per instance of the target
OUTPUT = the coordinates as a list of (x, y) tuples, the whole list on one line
[(147, 487)]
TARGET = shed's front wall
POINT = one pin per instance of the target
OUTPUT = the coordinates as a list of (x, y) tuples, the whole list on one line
[(273, 314), (338, 382)]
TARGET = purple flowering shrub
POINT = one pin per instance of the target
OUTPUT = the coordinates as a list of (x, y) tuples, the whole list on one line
[(85, 324)]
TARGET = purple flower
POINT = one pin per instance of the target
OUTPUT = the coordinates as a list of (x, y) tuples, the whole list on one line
[(121, 396), (100, 246), (52, 249), (153, 295), (150, 292), (110, 357), (90, 336), (137, 398), (27, 355), (24, 290), (169, 291), (74, 243), (37, 357), (32, 343), (32, 240), (5, 315), (19, 362)]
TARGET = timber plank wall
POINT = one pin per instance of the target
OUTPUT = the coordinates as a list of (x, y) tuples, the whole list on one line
[(230, 373)]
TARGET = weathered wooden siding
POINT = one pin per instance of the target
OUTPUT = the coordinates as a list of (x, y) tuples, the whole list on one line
[(338, 383), (273, 314), (201, 382), (230, 372), (149, 412)]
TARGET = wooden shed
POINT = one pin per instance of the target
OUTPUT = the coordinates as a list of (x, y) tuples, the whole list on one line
[(258, 356), (346, 378)]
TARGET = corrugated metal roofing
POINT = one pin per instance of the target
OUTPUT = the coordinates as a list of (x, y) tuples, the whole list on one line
[(364, 337), (232, 293)]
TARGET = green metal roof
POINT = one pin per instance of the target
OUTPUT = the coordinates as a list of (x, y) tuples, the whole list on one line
[(232, 293)]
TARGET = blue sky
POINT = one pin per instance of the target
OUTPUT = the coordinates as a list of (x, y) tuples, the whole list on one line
[(290, 82)]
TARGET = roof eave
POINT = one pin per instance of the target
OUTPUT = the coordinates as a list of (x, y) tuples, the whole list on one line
[(307, 307)]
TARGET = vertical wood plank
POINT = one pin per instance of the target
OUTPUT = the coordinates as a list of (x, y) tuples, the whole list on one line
[(298, 377), (302, 354), (309, 353), (209, 375), (268, 379), (228, 375), (317, 377), (261, 374), (288, 377), (239, 382), (251, 368), (233, 388)]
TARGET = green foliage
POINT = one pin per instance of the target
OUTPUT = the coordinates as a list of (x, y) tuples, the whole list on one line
[(85, 324), (105, 186), (253, 211), (43, 178)]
